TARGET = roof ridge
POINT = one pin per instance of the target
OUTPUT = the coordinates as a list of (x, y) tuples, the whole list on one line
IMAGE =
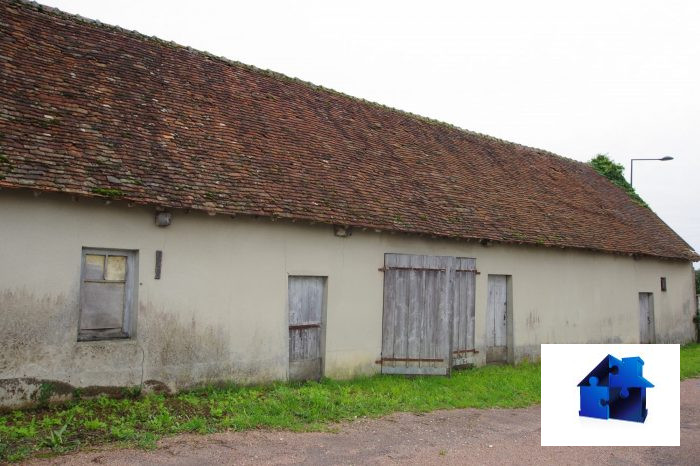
[(280, 76)]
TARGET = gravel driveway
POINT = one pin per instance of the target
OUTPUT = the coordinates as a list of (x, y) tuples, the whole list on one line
[(497, 436)]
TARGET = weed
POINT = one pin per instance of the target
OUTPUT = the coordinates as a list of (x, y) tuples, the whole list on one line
[(94, 424), (132, 392), (55, 438), (192, 398), (147, 441), (161, 422), (196, 424), (104, 401), (19, 454), (123, 432), (24, 431), (108, 192), (49, 422), (44, 394)]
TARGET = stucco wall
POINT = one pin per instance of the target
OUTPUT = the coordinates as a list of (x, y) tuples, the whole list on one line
[(219, 311)]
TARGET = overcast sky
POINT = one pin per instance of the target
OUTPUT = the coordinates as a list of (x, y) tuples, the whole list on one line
[(575, 78)]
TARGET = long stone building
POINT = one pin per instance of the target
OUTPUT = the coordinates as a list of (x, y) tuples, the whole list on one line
[(170, 218)]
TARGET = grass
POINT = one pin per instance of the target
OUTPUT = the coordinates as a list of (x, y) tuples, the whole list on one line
[(142, 420), (138, 420), (690, 361)]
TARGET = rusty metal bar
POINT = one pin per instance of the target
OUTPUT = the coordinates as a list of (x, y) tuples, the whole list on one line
[(303, 326), (412, 360), (468, 271), (465, 351), (384, 269)]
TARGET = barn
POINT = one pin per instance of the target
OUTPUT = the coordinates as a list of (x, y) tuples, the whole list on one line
[(171, 218)]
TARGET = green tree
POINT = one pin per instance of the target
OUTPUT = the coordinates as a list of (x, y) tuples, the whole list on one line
[(697, 282), (615, 173)]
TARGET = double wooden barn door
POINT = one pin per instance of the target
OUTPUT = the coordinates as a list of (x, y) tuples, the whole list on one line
[(428, 320)]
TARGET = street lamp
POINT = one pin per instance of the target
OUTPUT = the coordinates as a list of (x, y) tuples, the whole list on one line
[(663, 159)]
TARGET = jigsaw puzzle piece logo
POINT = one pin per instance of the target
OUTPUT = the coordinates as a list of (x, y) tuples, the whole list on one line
[(627, 373), (595, 400)]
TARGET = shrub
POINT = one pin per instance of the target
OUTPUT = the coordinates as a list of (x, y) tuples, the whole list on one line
[(615, 173)]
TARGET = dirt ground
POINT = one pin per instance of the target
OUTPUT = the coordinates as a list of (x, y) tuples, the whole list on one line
[(468, 436)]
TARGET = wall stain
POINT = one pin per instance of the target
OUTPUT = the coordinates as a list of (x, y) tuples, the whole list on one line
[(179, 352), (171, 350), (33, 328), (533, 320)]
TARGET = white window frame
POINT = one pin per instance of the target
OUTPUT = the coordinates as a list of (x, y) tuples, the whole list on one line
[(130, 296)]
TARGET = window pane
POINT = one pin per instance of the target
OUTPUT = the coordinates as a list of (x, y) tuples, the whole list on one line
[(102, 306), (94, 266), (116, 268)]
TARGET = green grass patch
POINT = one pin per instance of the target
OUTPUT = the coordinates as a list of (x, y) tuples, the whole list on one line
[(137, 420), (690, 361), (142, 420), (108, 192)]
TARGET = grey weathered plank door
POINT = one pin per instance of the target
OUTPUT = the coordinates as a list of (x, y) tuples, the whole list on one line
[(647, 331), (462, 302), (496, 319), (428, 311), (306, 302)]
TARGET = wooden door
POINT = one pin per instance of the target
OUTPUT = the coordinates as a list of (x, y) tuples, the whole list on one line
[(463, 283), (647, 333), (428, 312), (415, 325), (306, 303), (496, 319)]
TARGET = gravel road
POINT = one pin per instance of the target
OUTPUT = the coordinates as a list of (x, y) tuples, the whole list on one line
[(467, 436)]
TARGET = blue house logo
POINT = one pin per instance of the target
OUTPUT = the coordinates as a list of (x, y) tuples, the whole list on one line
[(615, 389)]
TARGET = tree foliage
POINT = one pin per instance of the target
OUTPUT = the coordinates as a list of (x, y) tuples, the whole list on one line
[(697, 282), (615, 173)]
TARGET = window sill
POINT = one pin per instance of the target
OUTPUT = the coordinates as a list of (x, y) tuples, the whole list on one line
[(103, 339)]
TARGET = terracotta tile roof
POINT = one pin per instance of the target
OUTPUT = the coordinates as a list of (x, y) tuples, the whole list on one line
[(95, 110)]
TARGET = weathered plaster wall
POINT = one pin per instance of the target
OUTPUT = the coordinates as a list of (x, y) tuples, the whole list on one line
[(219, 311)]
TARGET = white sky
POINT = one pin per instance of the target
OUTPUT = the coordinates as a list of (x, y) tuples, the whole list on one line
[(575, 78)]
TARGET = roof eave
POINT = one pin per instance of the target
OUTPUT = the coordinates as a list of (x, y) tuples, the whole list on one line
[(692, 257)]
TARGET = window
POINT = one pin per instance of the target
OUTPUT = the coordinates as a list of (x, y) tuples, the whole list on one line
[(107, 294)]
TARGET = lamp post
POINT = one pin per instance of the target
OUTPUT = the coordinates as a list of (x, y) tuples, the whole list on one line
[(663, 159)]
